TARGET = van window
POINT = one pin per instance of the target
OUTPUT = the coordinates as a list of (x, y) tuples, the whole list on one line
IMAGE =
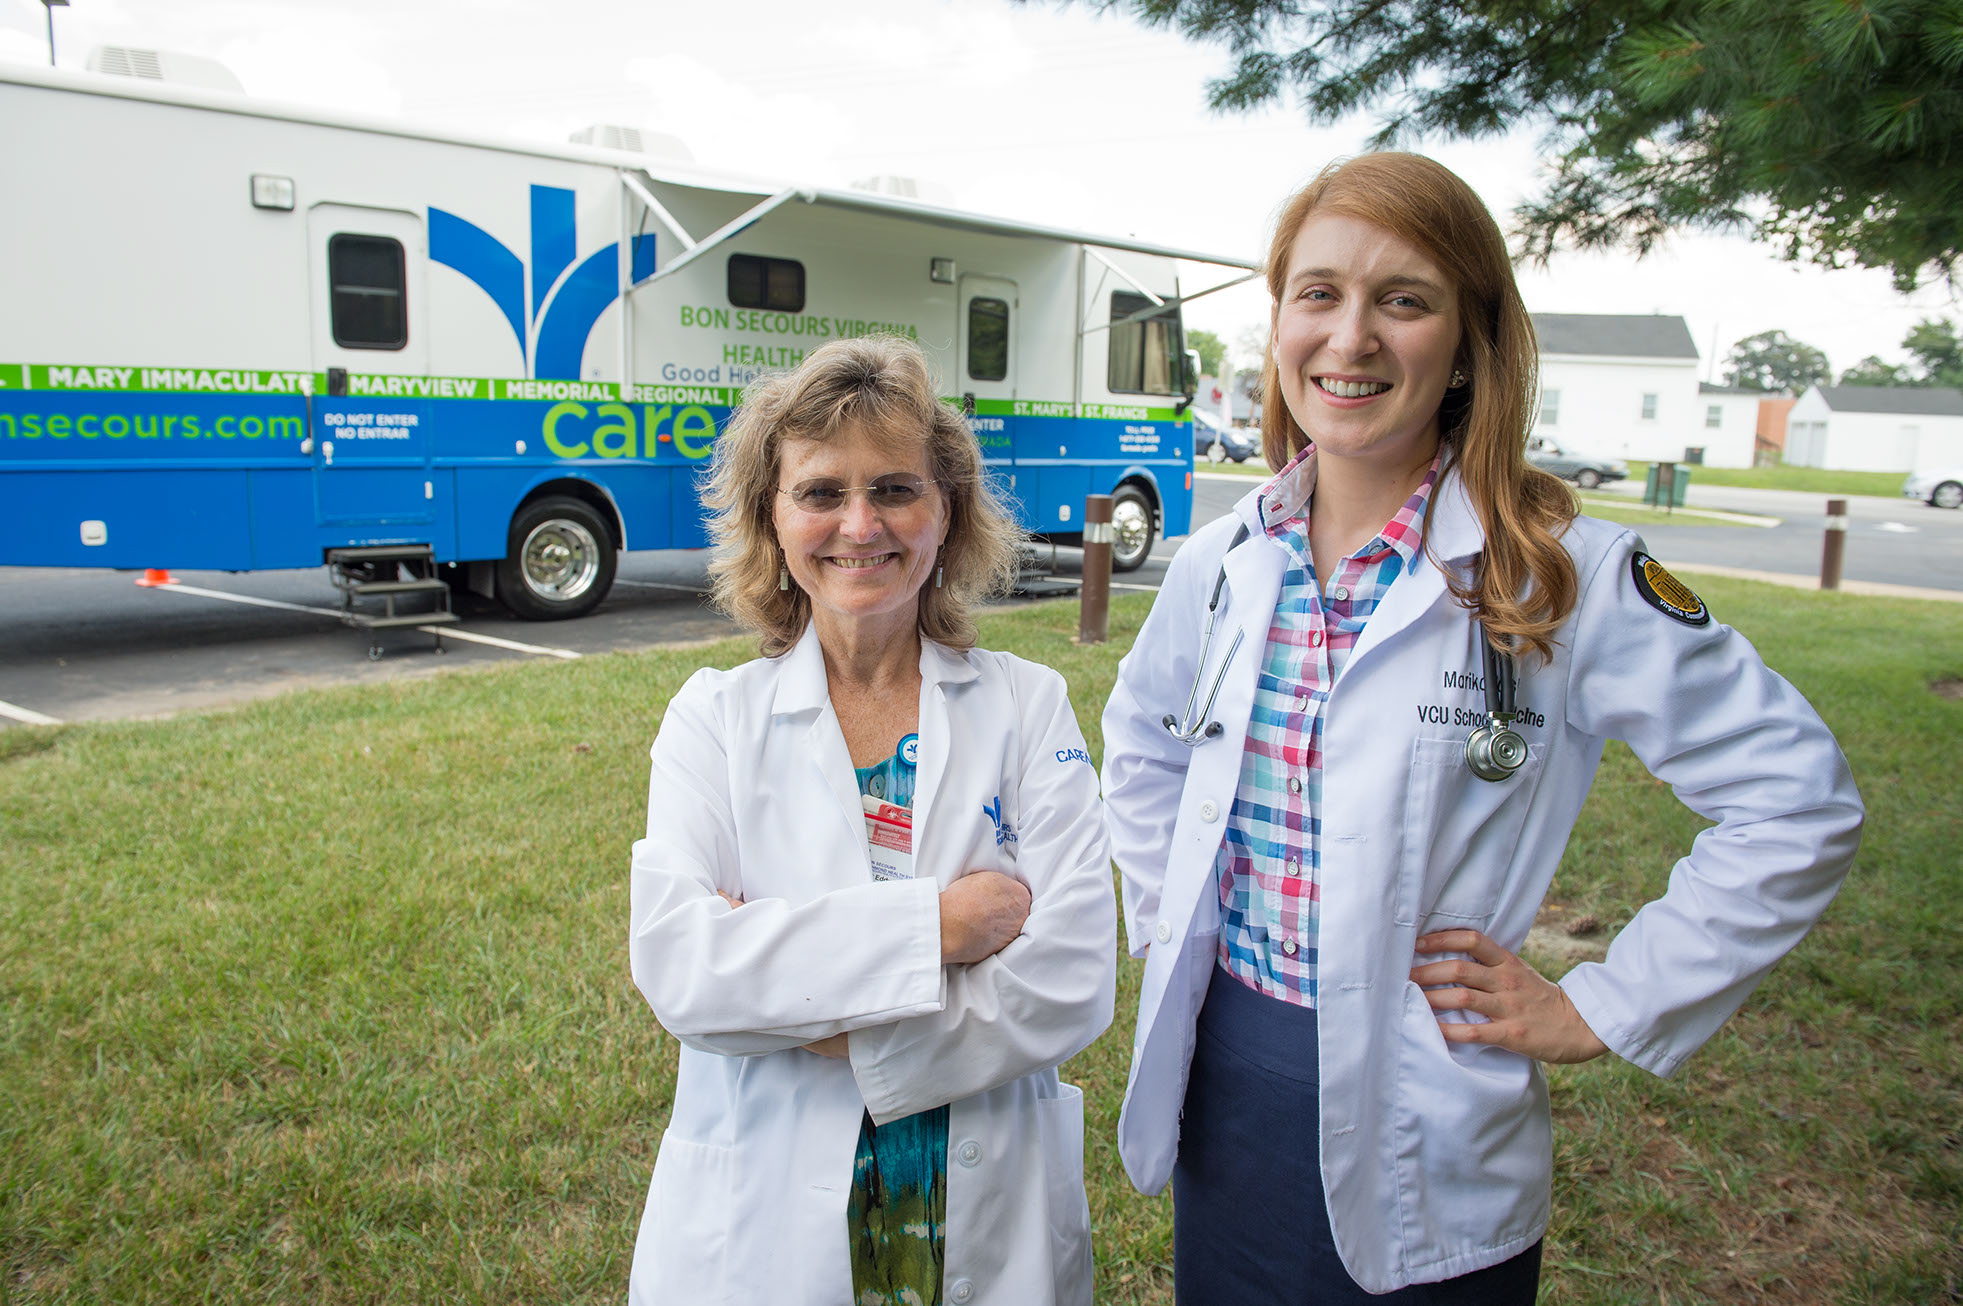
[(365, 279), (988, 339), (1145, 354), (773, 283)]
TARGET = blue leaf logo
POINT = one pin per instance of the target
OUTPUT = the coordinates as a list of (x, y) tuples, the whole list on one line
[(566, 296)]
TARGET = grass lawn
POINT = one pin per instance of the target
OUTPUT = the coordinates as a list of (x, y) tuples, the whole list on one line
[(326, 999), (1814, 480)]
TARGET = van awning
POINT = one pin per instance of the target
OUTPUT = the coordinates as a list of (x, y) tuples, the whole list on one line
[(913, 211)]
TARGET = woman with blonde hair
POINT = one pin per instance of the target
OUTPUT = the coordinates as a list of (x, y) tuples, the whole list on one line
[(874, 898), (1400, 658)]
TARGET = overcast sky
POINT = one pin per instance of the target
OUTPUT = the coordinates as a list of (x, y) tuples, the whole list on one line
[(1049, 114)]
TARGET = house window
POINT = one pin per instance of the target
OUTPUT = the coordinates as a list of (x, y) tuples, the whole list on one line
[(1714, 416), (365, 282), (1550, 408), (988, 339), (1649, 408), (772, 283), (1146, 354)]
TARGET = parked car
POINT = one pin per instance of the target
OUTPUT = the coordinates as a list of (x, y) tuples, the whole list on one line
[(1940, 487), (1236, 442), (1584, 469)]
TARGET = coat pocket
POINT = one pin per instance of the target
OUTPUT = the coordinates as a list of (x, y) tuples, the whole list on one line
[(682, 1251), (1060, 1120), (1460, 835)]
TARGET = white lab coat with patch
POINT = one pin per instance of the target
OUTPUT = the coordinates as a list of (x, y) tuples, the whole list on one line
[(753, 794), (1436, 1157)]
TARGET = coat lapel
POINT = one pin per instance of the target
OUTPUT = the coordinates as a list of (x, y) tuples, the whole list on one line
[(940, 669), (802, 690), (1452, 539)]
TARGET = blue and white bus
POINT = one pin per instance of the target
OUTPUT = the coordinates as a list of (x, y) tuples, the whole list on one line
[(243, 336)]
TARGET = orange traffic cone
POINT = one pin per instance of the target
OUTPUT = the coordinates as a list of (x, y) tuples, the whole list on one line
[(154, 576)]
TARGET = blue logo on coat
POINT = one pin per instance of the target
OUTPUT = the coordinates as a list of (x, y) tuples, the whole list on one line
[(1004, 832)]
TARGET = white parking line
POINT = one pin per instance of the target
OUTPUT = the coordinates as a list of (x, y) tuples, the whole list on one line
[(1121, 585), (448, 632), (181, 588), (27, 716), (452, 632), (657, 585)]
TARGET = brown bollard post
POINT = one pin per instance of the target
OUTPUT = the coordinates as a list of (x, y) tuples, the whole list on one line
[(1094, 607), (1836, 544)]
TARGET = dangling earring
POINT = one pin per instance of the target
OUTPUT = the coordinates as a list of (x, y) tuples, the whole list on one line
[(783, 576), (1458, 380), (940, 569)]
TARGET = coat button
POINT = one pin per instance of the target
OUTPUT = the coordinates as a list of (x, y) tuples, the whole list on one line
[(961, 1290), (969, 1152), (1209, 810), (1164, 932)]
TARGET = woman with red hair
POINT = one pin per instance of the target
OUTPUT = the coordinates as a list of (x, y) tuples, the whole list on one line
[(1400, 659)]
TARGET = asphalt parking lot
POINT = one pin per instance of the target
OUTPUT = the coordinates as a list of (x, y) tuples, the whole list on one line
[(93, 645)]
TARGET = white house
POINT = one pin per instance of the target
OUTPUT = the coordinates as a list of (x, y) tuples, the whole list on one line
[(1873, 428), (1626, 387), (1728, 423)]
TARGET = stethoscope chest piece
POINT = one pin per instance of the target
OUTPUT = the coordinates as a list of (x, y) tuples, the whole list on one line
[(1494, 751)]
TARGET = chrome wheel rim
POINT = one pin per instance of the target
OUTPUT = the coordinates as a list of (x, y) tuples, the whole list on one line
[(1948, 495), (560, 560), (1131, 528)]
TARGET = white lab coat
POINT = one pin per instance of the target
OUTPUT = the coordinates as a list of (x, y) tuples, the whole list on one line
[(1436, 1156), (753, 794)]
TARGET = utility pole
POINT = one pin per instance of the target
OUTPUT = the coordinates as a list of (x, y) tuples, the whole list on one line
[(51, 27)]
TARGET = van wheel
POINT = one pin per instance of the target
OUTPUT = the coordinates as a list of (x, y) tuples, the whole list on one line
[(1131, 529), (558, 562)]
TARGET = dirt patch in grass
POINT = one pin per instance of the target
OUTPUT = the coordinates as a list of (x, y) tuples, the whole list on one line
[(1948, 687)]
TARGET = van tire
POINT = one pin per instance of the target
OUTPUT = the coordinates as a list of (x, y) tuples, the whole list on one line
[(559, 560), (1133, 524)]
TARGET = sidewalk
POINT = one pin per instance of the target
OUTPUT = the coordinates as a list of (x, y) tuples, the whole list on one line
[(1872, 588)]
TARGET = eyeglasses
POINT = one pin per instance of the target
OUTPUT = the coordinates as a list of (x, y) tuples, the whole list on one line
[(885, 494)]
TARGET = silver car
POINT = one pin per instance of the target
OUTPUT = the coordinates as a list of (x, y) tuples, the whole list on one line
[(1940, 487), (1584, 469)]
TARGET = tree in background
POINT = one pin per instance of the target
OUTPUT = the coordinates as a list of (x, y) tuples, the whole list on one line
[(1212, 350), (1872, 371), (1936, 351), (1832, 129), (1935, 358), (1773, 360)]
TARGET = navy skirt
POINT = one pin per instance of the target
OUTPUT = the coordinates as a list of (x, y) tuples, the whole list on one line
[(1250, 1222)]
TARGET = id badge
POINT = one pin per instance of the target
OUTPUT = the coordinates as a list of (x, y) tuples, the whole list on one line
[(889, 838)]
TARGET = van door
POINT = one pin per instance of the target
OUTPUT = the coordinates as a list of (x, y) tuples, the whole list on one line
[(986, 381), (373, 481)]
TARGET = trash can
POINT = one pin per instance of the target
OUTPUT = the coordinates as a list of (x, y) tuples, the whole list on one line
[(1678, 477)]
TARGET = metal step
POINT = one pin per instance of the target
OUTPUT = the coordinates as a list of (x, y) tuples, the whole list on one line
[(410, 619), (380, 553), (428, 586)]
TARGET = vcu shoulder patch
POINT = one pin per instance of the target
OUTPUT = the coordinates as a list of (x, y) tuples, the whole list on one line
[(1665, 592)]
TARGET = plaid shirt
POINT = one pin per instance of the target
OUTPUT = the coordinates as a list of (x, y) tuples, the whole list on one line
[(1270, 864)]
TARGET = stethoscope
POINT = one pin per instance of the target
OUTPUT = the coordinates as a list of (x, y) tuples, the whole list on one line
[(1493, 751)]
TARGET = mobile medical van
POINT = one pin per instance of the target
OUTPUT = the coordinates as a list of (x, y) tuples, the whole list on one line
[(239, 335)]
